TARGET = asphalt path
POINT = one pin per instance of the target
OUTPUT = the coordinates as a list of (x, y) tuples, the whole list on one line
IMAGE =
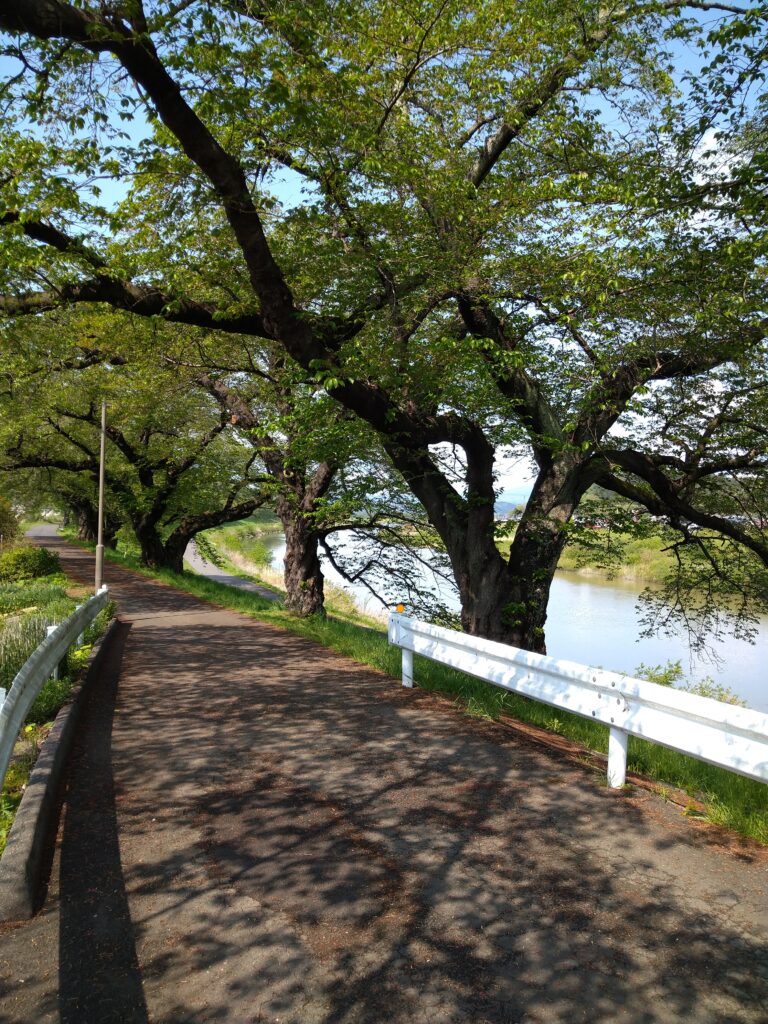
[(257, 829), (211, 571)]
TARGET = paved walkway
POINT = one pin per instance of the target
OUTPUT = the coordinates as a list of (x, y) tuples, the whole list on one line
[(257, 829), (205, 568)]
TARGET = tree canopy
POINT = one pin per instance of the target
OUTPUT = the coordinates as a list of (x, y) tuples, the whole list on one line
[(522, 228), (173, 468)]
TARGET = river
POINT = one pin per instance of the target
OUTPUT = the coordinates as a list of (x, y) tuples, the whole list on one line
[(595, 622)]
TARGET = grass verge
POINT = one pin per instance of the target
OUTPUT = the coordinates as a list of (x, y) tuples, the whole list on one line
[(730, 800), (240, 550)]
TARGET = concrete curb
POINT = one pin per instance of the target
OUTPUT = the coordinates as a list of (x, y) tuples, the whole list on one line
[(34, 827)]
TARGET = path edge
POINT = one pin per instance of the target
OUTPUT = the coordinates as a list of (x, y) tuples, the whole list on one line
[(25, 859)]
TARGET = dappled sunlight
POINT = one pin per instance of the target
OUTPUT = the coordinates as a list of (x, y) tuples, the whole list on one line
[(412, 861), (301, 839)]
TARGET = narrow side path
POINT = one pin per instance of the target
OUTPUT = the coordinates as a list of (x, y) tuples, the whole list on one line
[(275, 833), (212, 572)]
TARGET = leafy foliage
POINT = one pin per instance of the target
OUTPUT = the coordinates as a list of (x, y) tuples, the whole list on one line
[(27, 563), (520, 229), (172, 467), (671, 674)]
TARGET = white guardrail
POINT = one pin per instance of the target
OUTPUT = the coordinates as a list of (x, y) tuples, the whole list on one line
[(723, 734), (37, 669)]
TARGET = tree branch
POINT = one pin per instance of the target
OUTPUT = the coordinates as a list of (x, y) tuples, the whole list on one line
[(665, 499), (49, 235), (141, 300), (516, 384), (540, 94)]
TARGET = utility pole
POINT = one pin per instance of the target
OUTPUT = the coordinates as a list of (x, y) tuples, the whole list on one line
[(100, 535)]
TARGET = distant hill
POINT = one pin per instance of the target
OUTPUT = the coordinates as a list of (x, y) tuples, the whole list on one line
[(503, 508)]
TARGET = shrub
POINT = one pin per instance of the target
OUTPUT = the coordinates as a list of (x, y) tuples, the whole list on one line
[(49, 700), (671, 674), (28, 562)]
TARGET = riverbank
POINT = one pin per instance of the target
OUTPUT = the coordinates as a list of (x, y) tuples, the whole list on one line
[(642, 560), (591, 620), (247, 550)]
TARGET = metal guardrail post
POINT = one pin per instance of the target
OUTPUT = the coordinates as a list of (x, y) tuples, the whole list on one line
[(57, 669), (407, 668), (617, 757), (395, 631)]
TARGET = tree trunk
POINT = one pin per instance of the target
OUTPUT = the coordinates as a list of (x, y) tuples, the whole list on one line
[(87, 526), (87, 518), (177, 542), (516, 610), (173, 551), (508, 602), (153, 553), (501, 600), (111, 526), (303, 574)]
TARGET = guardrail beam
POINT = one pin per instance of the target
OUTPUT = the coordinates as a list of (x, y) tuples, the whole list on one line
[(735, 738), (40, 666)]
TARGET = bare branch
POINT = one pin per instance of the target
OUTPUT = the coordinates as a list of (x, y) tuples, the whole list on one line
[(664, 500)]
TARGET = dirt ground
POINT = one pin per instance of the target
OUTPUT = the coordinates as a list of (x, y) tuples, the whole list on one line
[(257, 829)]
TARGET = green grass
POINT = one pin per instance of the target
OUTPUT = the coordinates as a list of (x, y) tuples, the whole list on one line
[(246, 538), (247, 544), (26, 608), (733, 801), (642, 559), (32, 594), (262, 521)]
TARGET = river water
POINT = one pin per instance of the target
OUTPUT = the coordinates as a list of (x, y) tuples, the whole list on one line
[(596, 623)]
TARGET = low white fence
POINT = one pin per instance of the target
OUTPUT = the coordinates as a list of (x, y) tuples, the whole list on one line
[(37, 669), (723, 734)]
